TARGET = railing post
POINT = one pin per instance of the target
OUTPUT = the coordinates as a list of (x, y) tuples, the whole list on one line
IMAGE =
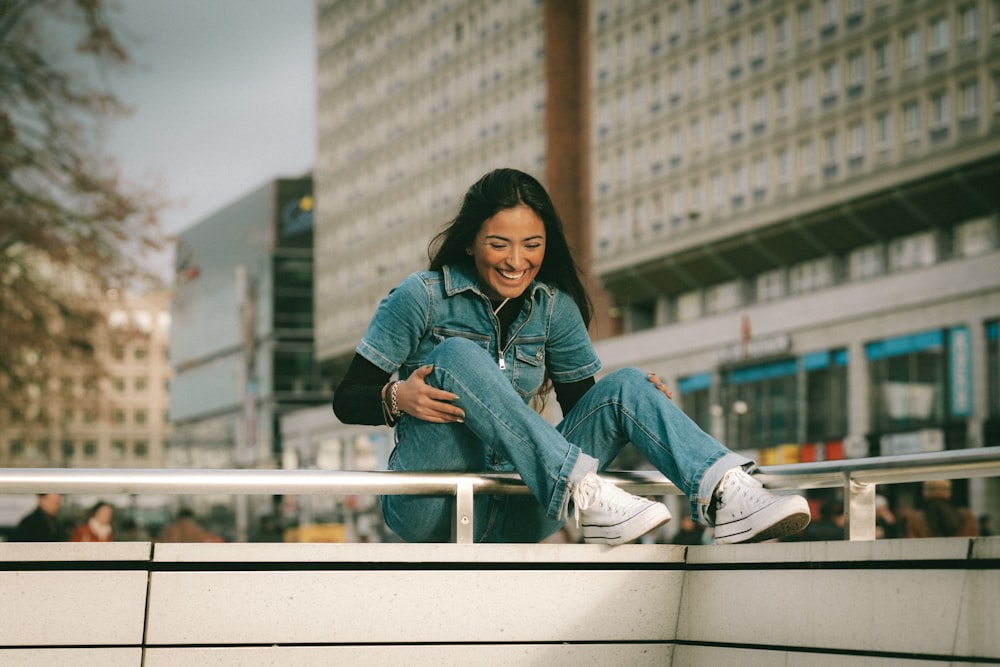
[(859, 510), (464, 500)]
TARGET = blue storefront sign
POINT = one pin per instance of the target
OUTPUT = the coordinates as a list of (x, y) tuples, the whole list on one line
[(960, 368)]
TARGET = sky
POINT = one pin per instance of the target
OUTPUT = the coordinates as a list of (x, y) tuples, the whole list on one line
[(222, 97)]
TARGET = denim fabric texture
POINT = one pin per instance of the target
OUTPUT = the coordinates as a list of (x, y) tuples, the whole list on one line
[(444, 319)]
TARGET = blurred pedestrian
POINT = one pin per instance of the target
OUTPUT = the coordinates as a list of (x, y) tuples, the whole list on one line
[(938, 516), (886, 524), (985, 525), (42, 524), (185, 529), (97, 528)]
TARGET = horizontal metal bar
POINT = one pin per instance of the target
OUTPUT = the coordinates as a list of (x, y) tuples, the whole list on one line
[(981, 462)]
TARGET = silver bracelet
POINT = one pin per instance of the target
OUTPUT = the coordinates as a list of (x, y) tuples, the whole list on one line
[(393, 404)]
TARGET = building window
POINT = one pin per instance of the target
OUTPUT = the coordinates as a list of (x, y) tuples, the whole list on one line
[(969, 99), (866, 262), (831, 83), (759, 177), (781, 33), (118, 449), (695, 73), (826, 395), (689, 306), (140, 448), (883, 134), (810, 276), (856, 149), (782, 167), (976, 237), (735, 56), (912, 252), (968, 20), (696, 399), (907, 379), (771, 285), (911, 47), (807, 22), (758, 46), (939, 35), (831, 148), (807, 91), (781, 99), (807, 157), (760, 405), (90, 449), (715, 62), (911, 122), (883, 58), (723, 297), (736, 118), (940, 115), (855, 73)]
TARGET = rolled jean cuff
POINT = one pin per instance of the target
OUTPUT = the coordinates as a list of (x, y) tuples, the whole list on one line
[(583, 464), (710, 480)]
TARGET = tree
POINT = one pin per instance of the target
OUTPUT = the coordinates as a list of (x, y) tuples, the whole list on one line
[(70, 228)]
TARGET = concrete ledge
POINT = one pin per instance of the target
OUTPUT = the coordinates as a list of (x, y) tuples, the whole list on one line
[(870, 603)]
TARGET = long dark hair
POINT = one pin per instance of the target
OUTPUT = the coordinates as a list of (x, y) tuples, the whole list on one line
[(496, 191)]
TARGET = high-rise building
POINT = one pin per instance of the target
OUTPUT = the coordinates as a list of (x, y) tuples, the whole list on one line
[(792, 206)]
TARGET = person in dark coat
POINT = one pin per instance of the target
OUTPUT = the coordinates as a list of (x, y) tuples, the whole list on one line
[(42, 524)]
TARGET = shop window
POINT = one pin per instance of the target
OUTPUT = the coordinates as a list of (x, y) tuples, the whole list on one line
[(826, 395), (760, 407), (696, 401), (907, 381)]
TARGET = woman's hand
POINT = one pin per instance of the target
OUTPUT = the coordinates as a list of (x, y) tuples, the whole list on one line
[(417, 398)]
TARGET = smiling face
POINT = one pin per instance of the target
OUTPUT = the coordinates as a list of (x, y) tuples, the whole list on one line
[(508, 251)]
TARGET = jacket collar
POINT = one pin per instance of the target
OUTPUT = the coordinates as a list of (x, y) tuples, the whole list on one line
[(458, 278)]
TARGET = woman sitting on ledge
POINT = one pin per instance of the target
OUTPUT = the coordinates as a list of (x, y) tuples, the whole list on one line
[(501, 315)]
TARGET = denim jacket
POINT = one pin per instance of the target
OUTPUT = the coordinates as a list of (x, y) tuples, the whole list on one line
[(430, 306)]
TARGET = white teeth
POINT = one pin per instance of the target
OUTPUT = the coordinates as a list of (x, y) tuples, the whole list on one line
[(511, 276)]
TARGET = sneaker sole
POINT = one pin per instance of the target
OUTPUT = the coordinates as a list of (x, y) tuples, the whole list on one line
[(785, 517), (635, 527)]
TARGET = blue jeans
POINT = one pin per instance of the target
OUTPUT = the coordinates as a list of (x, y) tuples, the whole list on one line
[(501, 433)]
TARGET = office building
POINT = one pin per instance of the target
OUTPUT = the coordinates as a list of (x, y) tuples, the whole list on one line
[(792, 206)]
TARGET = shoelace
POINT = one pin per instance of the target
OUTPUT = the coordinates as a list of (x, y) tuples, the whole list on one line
[(590, 492), (587, 489), (733, 482)]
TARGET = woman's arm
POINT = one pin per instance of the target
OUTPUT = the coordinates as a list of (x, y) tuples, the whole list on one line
[(358, 397)]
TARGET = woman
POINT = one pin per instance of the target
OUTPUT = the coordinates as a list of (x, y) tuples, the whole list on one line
[(501, 314), (98, 525)]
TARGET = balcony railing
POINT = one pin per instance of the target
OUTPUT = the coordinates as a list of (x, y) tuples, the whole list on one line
[(857, 477)]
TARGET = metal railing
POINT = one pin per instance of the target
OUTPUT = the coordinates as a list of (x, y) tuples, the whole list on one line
[(857, 477)]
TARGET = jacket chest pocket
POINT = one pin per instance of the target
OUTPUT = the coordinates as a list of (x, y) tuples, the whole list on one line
[(529, 366)]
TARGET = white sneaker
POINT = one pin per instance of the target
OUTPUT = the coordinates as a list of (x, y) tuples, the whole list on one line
[(747, 512), (607, 515)]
